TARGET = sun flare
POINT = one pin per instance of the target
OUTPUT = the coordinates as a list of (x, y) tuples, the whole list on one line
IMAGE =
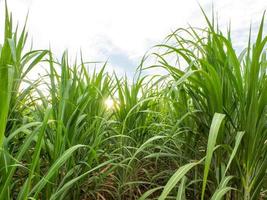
[(109, 103)]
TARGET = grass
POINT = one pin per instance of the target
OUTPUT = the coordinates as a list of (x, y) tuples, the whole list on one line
[(198, 132)]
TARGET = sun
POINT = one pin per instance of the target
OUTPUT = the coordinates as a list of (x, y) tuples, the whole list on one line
[(109, 103)]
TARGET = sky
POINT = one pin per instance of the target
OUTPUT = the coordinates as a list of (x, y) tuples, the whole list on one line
[(122, 31)]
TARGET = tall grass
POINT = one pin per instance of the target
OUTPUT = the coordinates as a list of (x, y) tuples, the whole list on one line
[(197, 133), (217, 80)]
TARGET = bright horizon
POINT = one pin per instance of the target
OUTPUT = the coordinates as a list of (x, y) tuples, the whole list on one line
[(123, 31)]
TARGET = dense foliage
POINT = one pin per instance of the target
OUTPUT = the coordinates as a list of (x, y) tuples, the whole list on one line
[(197, 132)]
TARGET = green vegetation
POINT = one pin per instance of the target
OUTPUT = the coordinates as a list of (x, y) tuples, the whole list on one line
[(199, 132)]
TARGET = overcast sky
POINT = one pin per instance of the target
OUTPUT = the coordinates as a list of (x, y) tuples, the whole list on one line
[(121, 31)]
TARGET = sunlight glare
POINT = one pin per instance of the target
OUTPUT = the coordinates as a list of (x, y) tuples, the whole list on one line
[(109, 103)]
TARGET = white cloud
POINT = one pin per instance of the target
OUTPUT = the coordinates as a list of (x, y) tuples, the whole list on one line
[(102, 28)]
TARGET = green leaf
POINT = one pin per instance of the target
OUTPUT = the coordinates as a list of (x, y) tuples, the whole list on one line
[(214, 131)]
